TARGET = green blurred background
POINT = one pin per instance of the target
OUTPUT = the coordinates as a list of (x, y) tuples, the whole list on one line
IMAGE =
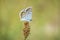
[(44, 25)]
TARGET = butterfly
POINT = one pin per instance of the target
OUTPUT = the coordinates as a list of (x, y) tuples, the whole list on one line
[(26, 14)]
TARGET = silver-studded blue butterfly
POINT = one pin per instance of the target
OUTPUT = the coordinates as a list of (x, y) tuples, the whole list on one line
[(26, 14)]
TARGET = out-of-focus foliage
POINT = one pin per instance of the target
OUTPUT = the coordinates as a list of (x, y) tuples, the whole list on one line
[(44, 11)]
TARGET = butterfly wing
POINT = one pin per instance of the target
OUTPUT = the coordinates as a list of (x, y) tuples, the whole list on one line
[(29, 14), (22, 15)]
